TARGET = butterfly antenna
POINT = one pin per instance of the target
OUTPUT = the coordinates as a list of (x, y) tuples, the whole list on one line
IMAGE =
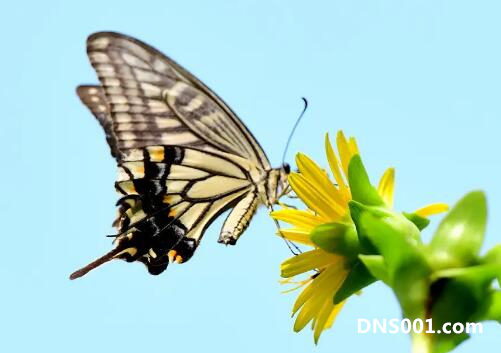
[(294, 128)]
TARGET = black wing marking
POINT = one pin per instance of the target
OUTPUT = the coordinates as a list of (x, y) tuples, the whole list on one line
[(169, 195)]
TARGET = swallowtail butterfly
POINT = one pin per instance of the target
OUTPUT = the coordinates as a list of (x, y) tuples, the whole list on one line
[(183, 156)]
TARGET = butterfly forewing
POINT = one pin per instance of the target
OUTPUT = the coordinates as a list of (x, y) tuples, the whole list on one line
[(162, 102)]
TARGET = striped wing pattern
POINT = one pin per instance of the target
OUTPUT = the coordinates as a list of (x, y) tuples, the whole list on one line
[(154, 101), (170, 195)]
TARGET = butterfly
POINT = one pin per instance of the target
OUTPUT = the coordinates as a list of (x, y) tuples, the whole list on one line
[(183, 155)]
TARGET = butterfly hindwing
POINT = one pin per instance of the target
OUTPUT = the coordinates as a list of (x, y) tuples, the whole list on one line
[(170, 195), (93, 97)]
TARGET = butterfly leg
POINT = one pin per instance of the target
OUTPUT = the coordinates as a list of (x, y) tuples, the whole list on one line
[(238, 219), (286, 205)]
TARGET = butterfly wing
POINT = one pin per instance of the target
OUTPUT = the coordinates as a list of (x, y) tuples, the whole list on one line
[(93, 97), (154, 101), (169, 196)]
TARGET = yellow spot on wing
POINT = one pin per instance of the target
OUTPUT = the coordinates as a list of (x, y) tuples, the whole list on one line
[(171, 199), (172, 255), (128, 187), (152, 253), (156, 153), (131, 251), (136, 168)]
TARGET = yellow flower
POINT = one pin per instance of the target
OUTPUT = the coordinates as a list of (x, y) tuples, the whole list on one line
[(327, 202)]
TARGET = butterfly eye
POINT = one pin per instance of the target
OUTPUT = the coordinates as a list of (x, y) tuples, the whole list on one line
[(287, 168)]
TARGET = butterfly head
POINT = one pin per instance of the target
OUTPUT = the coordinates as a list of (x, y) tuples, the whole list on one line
[(281, 182)]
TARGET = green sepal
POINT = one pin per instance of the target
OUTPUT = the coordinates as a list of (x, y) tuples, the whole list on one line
[(420, 222), (358, 278), (375, 265), (397, 220), (360, 185), (338, 238), (397, 240), (493, 256), (493, 307), (460, 235), (357, 209)]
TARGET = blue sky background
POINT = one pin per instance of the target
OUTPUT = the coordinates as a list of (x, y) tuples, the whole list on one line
[(417, 82)]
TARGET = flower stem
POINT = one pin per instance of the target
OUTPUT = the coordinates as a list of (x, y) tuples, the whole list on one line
[(421, 343)]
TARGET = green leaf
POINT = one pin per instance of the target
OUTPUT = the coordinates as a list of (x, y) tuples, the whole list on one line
[(460, 235), (338, 238), (418, 221), (480, 276), (360, 185), (375, 265), (358, 278)]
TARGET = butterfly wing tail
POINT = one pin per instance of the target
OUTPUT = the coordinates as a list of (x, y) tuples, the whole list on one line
[(96, 263)]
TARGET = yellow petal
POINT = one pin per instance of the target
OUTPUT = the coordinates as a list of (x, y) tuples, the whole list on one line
[(297, 235), (387, 186), (298, 284), (336, 171), (307, 261), (344, 151), (325, 317), (315, 199), (298, 218), (353, 146), (323, 288), (309, 310), (319, 179), (321, 281), (321, 319), (304, 296), (332, 314), (434, 208)]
